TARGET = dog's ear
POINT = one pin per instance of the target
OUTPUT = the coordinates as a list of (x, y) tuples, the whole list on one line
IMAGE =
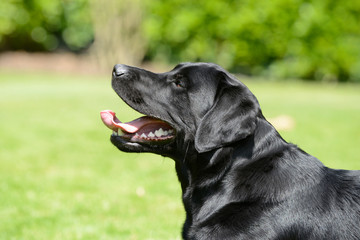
[(230, 119)]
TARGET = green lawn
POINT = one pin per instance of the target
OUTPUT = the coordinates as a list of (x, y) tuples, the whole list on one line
[(60, 177)]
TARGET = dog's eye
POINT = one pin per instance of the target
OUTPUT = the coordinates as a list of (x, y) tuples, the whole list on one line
[(179, 81)]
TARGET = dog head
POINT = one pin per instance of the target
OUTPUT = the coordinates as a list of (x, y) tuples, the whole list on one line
[(195, 103)]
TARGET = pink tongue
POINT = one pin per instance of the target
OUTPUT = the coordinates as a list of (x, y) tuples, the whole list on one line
[(110, 120)]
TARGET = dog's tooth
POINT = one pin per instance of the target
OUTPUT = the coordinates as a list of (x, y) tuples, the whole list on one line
[(136, 135), (161, 131), (171, 131), (151, 134), (120, 132), (143, 135)]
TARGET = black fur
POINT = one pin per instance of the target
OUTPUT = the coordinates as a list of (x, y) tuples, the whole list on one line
[(239, 178)]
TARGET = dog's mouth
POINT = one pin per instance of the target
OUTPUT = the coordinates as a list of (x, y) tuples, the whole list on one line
[(146, 130)]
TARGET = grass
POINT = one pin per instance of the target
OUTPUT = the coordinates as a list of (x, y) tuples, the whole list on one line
[(60, 177)]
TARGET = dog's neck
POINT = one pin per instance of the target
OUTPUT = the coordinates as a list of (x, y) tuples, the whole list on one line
[(237, 163)]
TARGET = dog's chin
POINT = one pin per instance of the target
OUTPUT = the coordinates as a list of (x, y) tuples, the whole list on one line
[(126, 145)]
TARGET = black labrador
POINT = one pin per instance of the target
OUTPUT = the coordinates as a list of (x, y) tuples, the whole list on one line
[(240, 179)]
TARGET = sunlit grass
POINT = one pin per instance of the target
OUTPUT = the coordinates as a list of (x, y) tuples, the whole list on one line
[(60, 177)]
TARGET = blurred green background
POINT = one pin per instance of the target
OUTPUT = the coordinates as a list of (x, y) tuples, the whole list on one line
[(313, 40), (60, 177)]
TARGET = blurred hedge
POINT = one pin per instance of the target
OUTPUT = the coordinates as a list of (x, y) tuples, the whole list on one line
[(44, 25), (318, 39), (309, 39)]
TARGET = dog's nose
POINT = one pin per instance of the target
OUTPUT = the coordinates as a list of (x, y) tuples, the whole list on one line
[(120, 69)]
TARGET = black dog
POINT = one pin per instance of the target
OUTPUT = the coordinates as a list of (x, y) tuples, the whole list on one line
[(240, 179)]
